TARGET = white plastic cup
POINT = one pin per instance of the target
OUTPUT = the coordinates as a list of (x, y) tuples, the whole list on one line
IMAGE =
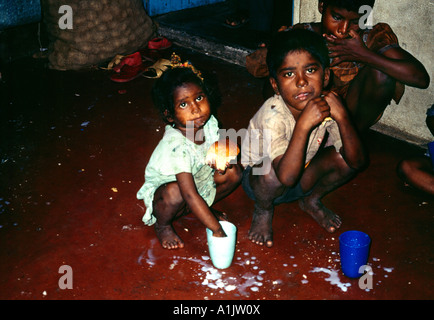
[(222, 249)]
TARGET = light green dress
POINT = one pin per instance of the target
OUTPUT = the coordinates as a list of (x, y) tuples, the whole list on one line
[(176, 154)]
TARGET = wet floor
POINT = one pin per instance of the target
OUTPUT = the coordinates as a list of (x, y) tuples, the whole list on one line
[(74, 146)]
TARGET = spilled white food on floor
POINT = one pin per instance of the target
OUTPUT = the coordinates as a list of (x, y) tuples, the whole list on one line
[(333, 278)]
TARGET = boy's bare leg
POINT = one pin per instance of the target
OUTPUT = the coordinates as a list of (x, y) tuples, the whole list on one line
[(266, 188), (368, 96), (327, 171), (168, 205)]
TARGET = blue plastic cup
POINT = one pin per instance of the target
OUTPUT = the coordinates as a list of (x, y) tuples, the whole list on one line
[(431, 152), (354, 252), (222, 249)]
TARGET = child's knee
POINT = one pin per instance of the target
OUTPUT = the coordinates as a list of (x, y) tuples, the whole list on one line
[(380, 80), (384, 80), (169, 195), (266, 186), (342, 167)]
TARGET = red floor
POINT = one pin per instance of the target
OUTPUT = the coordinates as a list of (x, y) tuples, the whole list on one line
[(74, 147)]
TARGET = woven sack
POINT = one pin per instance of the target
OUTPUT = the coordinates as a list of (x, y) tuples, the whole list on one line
[(101, 29)]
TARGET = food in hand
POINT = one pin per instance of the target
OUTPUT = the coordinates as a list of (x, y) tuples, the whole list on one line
[(327, 119), (221, 153)]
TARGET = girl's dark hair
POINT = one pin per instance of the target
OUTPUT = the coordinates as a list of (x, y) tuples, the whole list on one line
[(296, 40), (164, 87), (350, 5)]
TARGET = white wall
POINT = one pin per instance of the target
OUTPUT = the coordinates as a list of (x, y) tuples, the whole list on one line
[(411, 20)]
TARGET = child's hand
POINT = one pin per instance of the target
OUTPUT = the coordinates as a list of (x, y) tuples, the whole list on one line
[(347, 49), (220, 171), (337, 109), (219, 233), (314, 113), (221, 154)]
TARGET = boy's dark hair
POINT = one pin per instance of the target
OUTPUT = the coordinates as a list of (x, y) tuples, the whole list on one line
[(164, 87), (296, 40), (350, 5)]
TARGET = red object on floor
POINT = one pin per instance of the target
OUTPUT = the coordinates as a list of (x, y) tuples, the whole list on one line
[(129, 68), (128, 73), (159, 43), (132, 60)]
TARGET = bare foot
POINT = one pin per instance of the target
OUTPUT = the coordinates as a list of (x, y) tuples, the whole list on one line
[(325, 217), (261, 230), (168, 237)]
